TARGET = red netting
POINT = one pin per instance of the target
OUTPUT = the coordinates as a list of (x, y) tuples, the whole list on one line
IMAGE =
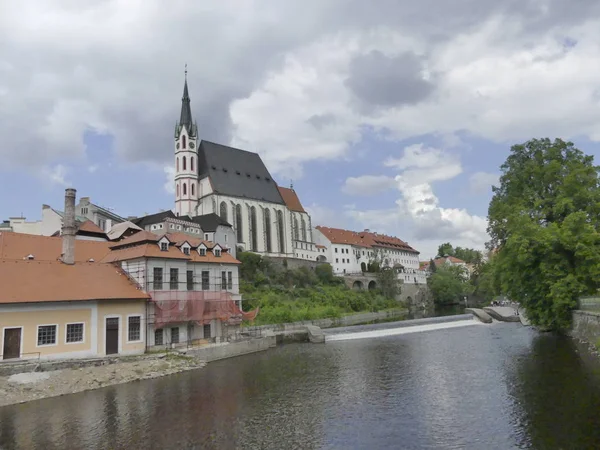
[(197, 306)]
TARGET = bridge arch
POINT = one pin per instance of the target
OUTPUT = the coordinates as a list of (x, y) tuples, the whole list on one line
[(357, 285), (372, 285), (321, 258)]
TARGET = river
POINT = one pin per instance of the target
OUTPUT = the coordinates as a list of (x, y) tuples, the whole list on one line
[(499, 386)]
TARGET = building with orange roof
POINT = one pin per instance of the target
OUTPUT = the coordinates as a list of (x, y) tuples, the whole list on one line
[(352, 252), (58, 300)]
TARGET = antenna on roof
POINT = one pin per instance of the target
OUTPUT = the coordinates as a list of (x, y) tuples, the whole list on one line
[(291, 184)]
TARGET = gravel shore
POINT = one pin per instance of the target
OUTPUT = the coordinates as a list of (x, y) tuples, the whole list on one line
[(24, 387)]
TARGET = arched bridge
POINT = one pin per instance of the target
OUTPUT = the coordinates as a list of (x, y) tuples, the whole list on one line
[(361, 281)]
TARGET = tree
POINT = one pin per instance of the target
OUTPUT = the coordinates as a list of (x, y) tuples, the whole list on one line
[(543, 222), (388, 282), (445, 249), (432, 267), (448, 284)]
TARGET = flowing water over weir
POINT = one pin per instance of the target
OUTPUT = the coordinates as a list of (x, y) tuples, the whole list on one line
[(400, 327)]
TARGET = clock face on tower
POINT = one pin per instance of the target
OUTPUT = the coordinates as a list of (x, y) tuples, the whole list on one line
[(191, 145)]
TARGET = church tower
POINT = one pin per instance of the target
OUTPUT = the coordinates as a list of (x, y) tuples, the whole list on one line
[(186, 159)]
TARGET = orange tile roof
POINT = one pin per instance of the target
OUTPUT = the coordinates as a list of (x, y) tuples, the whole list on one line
[(53, 281), (91, 227), (364, 239), (452, 259), (291, 199), (45, 248), (151, 250)]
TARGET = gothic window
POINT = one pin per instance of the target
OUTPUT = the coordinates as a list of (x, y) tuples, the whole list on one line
[(303, 229), (184, 189), (192, 163), (280, 232), (177, 190), (177, 164), (296, 229), (223, 211), (238, 223), (183, 145), (184, 167), (253, 230), (267, 228), (214, 206), (192, 186)]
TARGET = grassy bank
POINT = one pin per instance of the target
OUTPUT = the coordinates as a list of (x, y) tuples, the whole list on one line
[(286, 295)]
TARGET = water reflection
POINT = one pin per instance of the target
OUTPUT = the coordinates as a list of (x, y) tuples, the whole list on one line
[(487, 387)]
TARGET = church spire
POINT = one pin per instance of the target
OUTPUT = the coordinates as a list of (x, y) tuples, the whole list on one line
[(186, 111)]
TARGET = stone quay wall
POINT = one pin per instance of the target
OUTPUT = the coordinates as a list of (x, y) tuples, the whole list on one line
[(586, 326)]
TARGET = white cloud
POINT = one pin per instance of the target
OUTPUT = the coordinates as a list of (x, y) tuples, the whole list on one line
[(55, 175), (482, 182), (169, 185), (366, 185), (93, 168)]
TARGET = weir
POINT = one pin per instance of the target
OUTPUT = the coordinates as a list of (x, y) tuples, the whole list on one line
[(401, 327)]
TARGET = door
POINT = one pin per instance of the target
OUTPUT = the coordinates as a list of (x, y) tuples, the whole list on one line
[(207, 331), (112, 335), (12, 343)]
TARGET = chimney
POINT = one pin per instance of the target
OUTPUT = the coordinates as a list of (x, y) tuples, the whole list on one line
[(69, 229)]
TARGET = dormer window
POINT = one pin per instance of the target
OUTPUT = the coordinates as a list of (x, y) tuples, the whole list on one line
[(217, 252), (202, 251), (164, 247), (186, 250)]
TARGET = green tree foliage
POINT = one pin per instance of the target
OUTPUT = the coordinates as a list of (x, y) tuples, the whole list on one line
[(485, 280), (432, 267), (449, 284), (291, 295), (388, 282), (543, 219), (468, 255)]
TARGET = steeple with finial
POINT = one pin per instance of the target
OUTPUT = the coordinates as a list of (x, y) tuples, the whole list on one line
[(185, 119)]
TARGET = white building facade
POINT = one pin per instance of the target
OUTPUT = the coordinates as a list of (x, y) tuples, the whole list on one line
[(235, 184)]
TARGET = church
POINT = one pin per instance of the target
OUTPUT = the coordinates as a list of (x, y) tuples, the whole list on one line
[(236, 185)]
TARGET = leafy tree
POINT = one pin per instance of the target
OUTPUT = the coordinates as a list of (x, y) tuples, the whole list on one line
[(432, 267), (388, 283), (324, 273), (445, 249), (485, 280), (543, 220), (448, 284)]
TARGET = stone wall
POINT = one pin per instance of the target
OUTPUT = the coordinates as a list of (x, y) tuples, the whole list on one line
[(586, 326), (416, 296), (292, 263), (230, 350)]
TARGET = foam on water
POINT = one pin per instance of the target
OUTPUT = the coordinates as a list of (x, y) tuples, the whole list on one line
[(402, 330)]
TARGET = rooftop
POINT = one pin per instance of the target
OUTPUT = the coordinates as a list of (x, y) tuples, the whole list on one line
[(291, 199), (364, 238)]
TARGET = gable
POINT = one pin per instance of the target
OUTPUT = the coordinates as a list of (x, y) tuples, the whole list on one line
[(237, 173)]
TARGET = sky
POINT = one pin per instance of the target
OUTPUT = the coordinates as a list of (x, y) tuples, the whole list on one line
[(392, 115)]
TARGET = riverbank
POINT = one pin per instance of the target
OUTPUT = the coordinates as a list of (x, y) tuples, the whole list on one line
[(28, 386)]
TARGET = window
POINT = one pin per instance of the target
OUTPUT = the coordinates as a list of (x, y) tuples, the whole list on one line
[(225, 238), (206, 331), (190, 280), (337, 260), (183, 144), (267, 228), (205, 280), (280, 232), (230, 280), (175, 335), (46, 335), (134, 332), (223, 281), (174, 279), (238, 222), (192, 187), (202, 251), (192, 164), (177, 164), (158, 337), (206, 236), (253, 230), (217, 252), (158, 278), (164, 246), (336, 250), (102, 224), (184, 185), (74, 333), (223, 211), (186, 250)]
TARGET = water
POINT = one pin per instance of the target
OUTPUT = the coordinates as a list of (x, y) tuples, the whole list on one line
[(500, 386)]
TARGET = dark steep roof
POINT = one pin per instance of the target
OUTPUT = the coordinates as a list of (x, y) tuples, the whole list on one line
[(185, 118), (151, 219), (210, 222), (237, 173)]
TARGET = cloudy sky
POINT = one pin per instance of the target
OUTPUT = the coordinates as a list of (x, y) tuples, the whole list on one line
[(392, 115)]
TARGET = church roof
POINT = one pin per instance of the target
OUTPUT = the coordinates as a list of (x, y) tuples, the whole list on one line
[(237, 173), (151, 219), (291, 199), (210, 222)]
